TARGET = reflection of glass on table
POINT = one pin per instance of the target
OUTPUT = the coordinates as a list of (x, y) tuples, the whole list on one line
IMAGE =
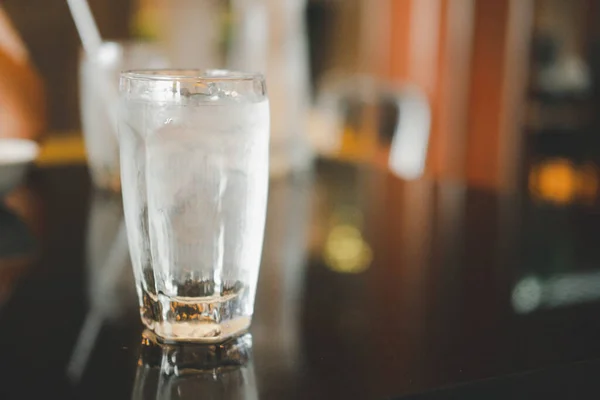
[(109, 280), (283, 267), (192, 371)]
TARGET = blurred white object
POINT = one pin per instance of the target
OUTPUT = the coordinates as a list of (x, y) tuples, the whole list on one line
[(408, 151), (99, 103), (269, 36), (570, 74), (410, 135), (15, 157)]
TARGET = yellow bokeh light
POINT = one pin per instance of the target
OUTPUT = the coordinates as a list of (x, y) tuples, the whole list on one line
[(346, 251), (554, 181)]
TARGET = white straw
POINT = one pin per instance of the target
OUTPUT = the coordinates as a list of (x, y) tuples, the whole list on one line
[(91, 41), (86, 26)]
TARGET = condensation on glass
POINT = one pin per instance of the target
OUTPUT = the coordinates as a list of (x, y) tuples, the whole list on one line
[(194, 168)]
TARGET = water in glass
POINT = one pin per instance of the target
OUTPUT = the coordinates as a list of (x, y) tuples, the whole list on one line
[(194, 169)]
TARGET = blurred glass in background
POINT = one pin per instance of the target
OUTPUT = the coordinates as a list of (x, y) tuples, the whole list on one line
[(99, 86), (269, 36)]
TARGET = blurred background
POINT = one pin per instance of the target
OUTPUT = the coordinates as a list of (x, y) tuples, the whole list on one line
[(512, 84)]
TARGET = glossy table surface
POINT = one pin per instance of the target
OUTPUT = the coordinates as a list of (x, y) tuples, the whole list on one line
[(370, 287)]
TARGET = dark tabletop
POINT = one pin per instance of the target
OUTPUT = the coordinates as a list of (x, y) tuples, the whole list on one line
[(370, 287)]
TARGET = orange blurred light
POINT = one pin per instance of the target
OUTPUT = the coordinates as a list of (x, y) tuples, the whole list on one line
[(559, 181)]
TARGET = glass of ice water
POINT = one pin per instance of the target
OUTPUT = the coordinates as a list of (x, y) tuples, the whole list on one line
[(194, 170)]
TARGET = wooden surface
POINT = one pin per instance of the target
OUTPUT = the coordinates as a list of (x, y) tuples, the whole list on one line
[(428, 303)]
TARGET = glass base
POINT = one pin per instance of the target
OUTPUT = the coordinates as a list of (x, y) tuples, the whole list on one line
[(198, 332), (209, 319)]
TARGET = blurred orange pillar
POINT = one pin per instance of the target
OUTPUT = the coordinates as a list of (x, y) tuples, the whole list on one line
[(430, 46), (500, 62), (471, 58)]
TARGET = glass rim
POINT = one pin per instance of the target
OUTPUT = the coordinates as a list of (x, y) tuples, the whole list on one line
[(190, 75)]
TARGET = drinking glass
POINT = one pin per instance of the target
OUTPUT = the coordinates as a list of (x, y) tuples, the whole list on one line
[(98, 85), (194, 167)]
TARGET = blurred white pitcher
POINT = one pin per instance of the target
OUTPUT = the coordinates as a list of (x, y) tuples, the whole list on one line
[(357, 116)]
